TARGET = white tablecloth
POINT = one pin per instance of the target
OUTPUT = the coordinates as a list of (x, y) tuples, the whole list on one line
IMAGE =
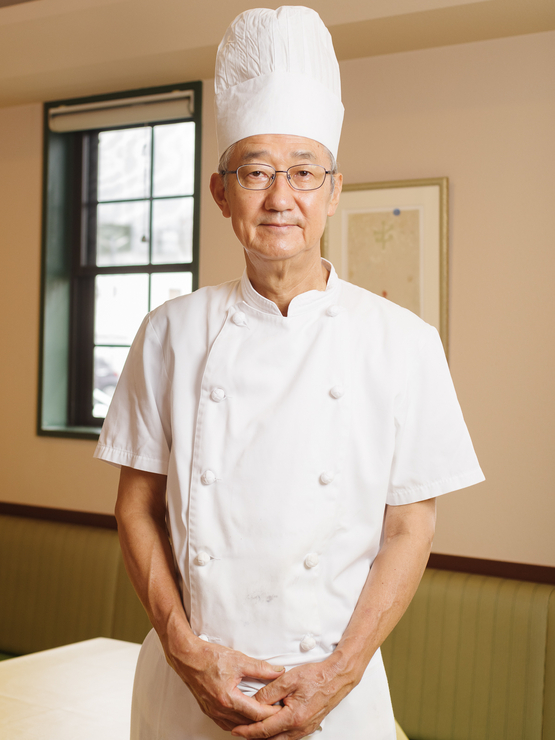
[(75, 692)]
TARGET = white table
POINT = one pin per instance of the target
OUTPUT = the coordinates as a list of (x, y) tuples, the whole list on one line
[(75, 692)]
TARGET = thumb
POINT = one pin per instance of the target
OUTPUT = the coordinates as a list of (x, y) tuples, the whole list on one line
[(263, 669)]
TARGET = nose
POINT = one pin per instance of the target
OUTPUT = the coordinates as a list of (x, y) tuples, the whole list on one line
[(280, 195)]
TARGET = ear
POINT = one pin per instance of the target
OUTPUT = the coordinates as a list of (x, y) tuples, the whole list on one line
[(219, 194), (338, 186)]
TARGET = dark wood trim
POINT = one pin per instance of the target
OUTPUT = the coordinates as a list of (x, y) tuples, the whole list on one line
[(69, 516), (7, 3), (498, 568)]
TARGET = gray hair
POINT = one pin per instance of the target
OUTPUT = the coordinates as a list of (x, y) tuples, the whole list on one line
[(225, 159)]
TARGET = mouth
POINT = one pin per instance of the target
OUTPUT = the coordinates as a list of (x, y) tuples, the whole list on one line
[(277, 226)]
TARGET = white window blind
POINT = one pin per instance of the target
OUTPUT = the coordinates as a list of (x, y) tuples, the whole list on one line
[(122, 112)]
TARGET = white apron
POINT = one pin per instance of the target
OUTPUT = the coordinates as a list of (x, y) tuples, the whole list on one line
[(283, 439), (165, 709)]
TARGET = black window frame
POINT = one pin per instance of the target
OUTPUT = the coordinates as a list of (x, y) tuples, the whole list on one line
[(68, 282)]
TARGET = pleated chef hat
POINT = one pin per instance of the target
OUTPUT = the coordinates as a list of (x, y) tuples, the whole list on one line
[(277, 73)]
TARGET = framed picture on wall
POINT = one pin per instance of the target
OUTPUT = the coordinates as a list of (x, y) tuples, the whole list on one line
[(392, 239)]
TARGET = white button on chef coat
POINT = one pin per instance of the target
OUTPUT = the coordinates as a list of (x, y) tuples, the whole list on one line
[(202, 558), (239, 318), (217, 395), (337, 391), (308, 643), (277, 448), (208, 477), (311, 560)]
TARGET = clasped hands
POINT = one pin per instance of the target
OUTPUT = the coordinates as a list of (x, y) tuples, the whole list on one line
[(307, 693)]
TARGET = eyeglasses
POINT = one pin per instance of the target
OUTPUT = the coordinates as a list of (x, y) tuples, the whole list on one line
[(261, 176)]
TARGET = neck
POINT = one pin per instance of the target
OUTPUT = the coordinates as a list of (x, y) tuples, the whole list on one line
[(280, 281)]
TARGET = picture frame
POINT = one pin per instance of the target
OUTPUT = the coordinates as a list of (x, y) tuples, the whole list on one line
[(392, 238)]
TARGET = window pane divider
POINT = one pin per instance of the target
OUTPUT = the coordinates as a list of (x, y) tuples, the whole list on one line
[(93, 203), (146, 269), (100, 344)]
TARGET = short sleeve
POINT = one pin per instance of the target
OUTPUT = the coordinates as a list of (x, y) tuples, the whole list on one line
[(137, 429), (433, 450)]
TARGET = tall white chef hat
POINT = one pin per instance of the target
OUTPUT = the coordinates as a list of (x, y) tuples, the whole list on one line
[(277, 73)]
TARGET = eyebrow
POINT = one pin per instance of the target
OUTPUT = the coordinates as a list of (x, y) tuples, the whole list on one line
[(262, 153)]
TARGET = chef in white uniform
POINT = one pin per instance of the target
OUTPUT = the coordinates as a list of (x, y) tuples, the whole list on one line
[(281, 437)]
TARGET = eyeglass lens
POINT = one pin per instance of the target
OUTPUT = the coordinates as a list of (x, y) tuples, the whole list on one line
[(300, 177)]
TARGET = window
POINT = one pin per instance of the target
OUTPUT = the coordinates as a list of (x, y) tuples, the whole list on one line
[(120, 237)]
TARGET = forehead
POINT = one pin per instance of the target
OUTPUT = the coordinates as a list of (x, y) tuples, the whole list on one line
[(270, 148)]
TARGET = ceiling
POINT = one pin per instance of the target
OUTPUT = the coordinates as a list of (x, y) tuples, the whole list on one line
[(55, 49)]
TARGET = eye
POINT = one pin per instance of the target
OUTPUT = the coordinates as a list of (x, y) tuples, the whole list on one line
[(303, 173), (255, 173)]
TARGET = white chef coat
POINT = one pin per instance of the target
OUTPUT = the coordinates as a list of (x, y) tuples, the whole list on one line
[(283, 439)]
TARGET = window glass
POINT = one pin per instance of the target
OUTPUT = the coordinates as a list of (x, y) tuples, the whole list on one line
[(108, 364), (172, 226), (121, 302), (174, 159), (124, 164), (125, 232), (168, 285), (122, 233)]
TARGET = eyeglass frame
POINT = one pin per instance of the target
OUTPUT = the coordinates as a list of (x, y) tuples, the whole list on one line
[(277, 172)]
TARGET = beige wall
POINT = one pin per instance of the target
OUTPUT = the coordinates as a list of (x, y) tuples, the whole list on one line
[(33, 470), (481, 114)]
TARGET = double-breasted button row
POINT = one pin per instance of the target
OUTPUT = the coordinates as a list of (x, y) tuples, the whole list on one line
[(311, 560), (209, 477)]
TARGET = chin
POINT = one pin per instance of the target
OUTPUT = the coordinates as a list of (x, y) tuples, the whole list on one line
[(277, 255), (275, 251)]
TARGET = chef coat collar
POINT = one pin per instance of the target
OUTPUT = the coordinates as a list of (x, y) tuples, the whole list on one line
[(300, 303)]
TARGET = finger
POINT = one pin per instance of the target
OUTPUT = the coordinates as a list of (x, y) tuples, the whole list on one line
[(250, 708), (272, 693), (276, 690), (227, 726), (225, 718), (249, 732), (262, 669), (279, 723)]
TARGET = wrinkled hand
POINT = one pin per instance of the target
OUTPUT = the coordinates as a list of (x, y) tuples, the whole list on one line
[(212, 673), (308, 693)]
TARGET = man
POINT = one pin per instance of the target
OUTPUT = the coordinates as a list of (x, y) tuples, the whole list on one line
[(292, 430)]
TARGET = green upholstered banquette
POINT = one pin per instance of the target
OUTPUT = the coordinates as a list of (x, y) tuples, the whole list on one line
[(62, 583), (473, 658)]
